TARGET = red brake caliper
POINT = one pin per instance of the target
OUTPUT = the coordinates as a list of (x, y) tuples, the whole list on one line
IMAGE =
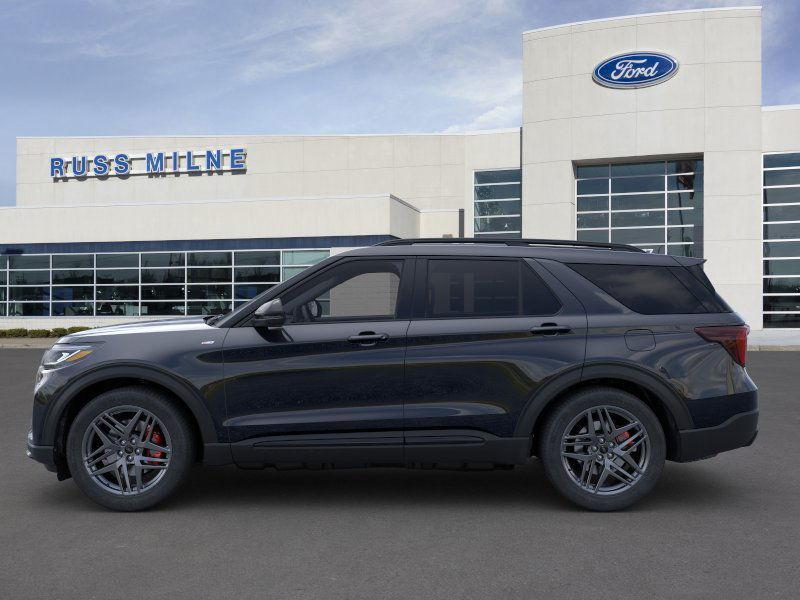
[(157, 439), (622, 437)]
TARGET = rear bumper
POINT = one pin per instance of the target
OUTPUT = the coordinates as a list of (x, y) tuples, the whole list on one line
[(738, 431), (42, 454)]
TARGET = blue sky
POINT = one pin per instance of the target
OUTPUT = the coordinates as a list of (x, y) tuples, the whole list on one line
[(154, 67)]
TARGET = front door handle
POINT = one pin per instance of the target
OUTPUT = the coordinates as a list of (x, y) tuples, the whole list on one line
[(550, 329), (368, 338)]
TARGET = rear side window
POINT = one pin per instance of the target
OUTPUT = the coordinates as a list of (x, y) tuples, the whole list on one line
[(653, 290), (486, 288)]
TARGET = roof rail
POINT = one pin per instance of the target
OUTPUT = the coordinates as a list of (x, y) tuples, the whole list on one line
[(511, 242)]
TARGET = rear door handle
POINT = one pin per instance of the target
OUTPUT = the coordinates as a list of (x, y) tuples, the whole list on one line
[(550, 329), (368, 338)]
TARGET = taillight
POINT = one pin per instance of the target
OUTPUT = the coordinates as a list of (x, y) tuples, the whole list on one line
[(732, 338)]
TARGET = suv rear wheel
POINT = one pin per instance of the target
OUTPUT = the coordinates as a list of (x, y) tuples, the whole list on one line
[(603, 448), (129, 449)]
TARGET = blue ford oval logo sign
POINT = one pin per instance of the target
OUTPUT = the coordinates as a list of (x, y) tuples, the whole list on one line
[(635, 70)]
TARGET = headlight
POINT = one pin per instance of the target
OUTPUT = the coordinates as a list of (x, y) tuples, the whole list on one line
[(61, 356)]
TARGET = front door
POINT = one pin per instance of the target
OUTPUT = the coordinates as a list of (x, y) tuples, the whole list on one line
[(327, 387)]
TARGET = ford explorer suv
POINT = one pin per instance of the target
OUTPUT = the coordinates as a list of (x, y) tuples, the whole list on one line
[(599, 360)]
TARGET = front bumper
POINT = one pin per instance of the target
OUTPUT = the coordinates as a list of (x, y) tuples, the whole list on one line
[(42, 454), (738, 431)]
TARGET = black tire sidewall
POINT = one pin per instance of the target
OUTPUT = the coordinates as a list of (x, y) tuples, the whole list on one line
[(183, 447), (550, 447)]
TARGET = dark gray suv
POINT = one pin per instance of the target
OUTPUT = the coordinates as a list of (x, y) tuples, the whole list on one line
[(599, 359)]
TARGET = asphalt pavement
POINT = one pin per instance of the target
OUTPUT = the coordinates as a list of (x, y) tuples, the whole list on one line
[(728, 527)]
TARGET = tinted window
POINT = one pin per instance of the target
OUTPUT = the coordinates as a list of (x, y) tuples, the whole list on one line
[(649, 290), (486, 288)]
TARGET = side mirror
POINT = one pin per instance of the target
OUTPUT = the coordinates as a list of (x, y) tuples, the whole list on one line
[(269, 315)]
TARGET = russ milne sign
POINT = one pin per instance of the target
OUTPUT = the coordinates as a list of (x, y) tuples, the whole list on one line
[(151, 163), (635, 70)]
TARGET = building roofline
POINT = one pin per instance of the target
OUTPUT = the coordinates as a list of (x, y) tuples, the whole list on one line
[(651, 14), (781, 107)]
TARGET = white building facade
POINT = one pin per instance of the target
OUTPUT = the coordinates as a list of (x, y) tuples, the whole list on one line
[(684, 161)]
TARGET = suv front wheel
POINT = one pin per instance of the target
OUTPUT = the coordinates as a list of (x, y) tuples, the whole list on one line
[(603, 448), (130, 448)]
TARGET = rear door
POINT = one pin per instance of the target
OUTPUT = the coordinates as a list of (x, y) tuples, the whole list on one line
[(485, 334)]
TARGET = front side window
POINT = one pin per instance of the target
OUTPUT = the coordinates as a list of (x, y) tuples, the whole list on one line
[(353, 290), (486, 288)]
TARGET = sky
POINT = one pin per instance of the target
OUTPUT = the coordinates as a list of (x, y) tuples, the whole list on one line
[(161, 67)]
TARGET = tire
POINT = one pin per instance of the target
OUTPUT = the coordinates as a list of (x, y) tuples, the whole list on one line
[(149, 476), (630, 461)]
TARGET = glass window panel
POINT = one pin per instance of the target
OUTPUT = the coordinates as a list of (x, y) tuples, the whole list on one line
[(637, 184), (587, 171), (498, 224), (596, 235), (506, 207), (682, 217), (73, 309), (163, 276), (117, 309), (28, 309), (83, 292), (29, 277), (782, 213), (685, 199), (637, 236), (782, 320), (209, 259), (592, 186), (782, 303), (782, 195), (269, 257), (779, 249), (209, 292), (680, 234), (684, 182), (681, 249), (163, 308), (684, 166), (2, 277), (118, 292), (782, 267), (2, 294), (163, 259), (782, 285), (789, 159), (250, 290), (648, 168), (73, 261), (637, 201), (73, 277), (257, 274), (209, 275), (593, 203), (22, 261), (494, 192), (788, 177), (637, 219), (208, 308), (162, 292), (3, 262), (304, 257), (29, 293), (289, 272), (782, 231), (593, 220), (500, 176), (118, 276), (113, 261), (3, 309)]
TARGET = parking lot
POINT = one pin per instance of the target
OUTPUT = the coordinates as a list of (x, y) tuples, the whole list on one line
[(728, 527)]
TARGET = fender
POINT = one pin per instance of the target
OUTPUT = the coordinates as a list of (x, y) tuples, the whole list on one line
[(132, 370), (635, 374)]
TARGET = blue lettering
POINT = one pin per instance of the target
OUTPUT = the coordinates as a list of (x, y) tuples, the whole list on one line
[(100, 164), (77, 170), (190, 166), (237, 159), (56, 167), (123, 165), (155, 162), (213, 160), (176, 162)]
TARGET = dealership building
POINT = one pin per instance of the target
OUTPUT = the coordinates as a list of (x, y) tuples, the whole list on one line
[(645, 130)]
